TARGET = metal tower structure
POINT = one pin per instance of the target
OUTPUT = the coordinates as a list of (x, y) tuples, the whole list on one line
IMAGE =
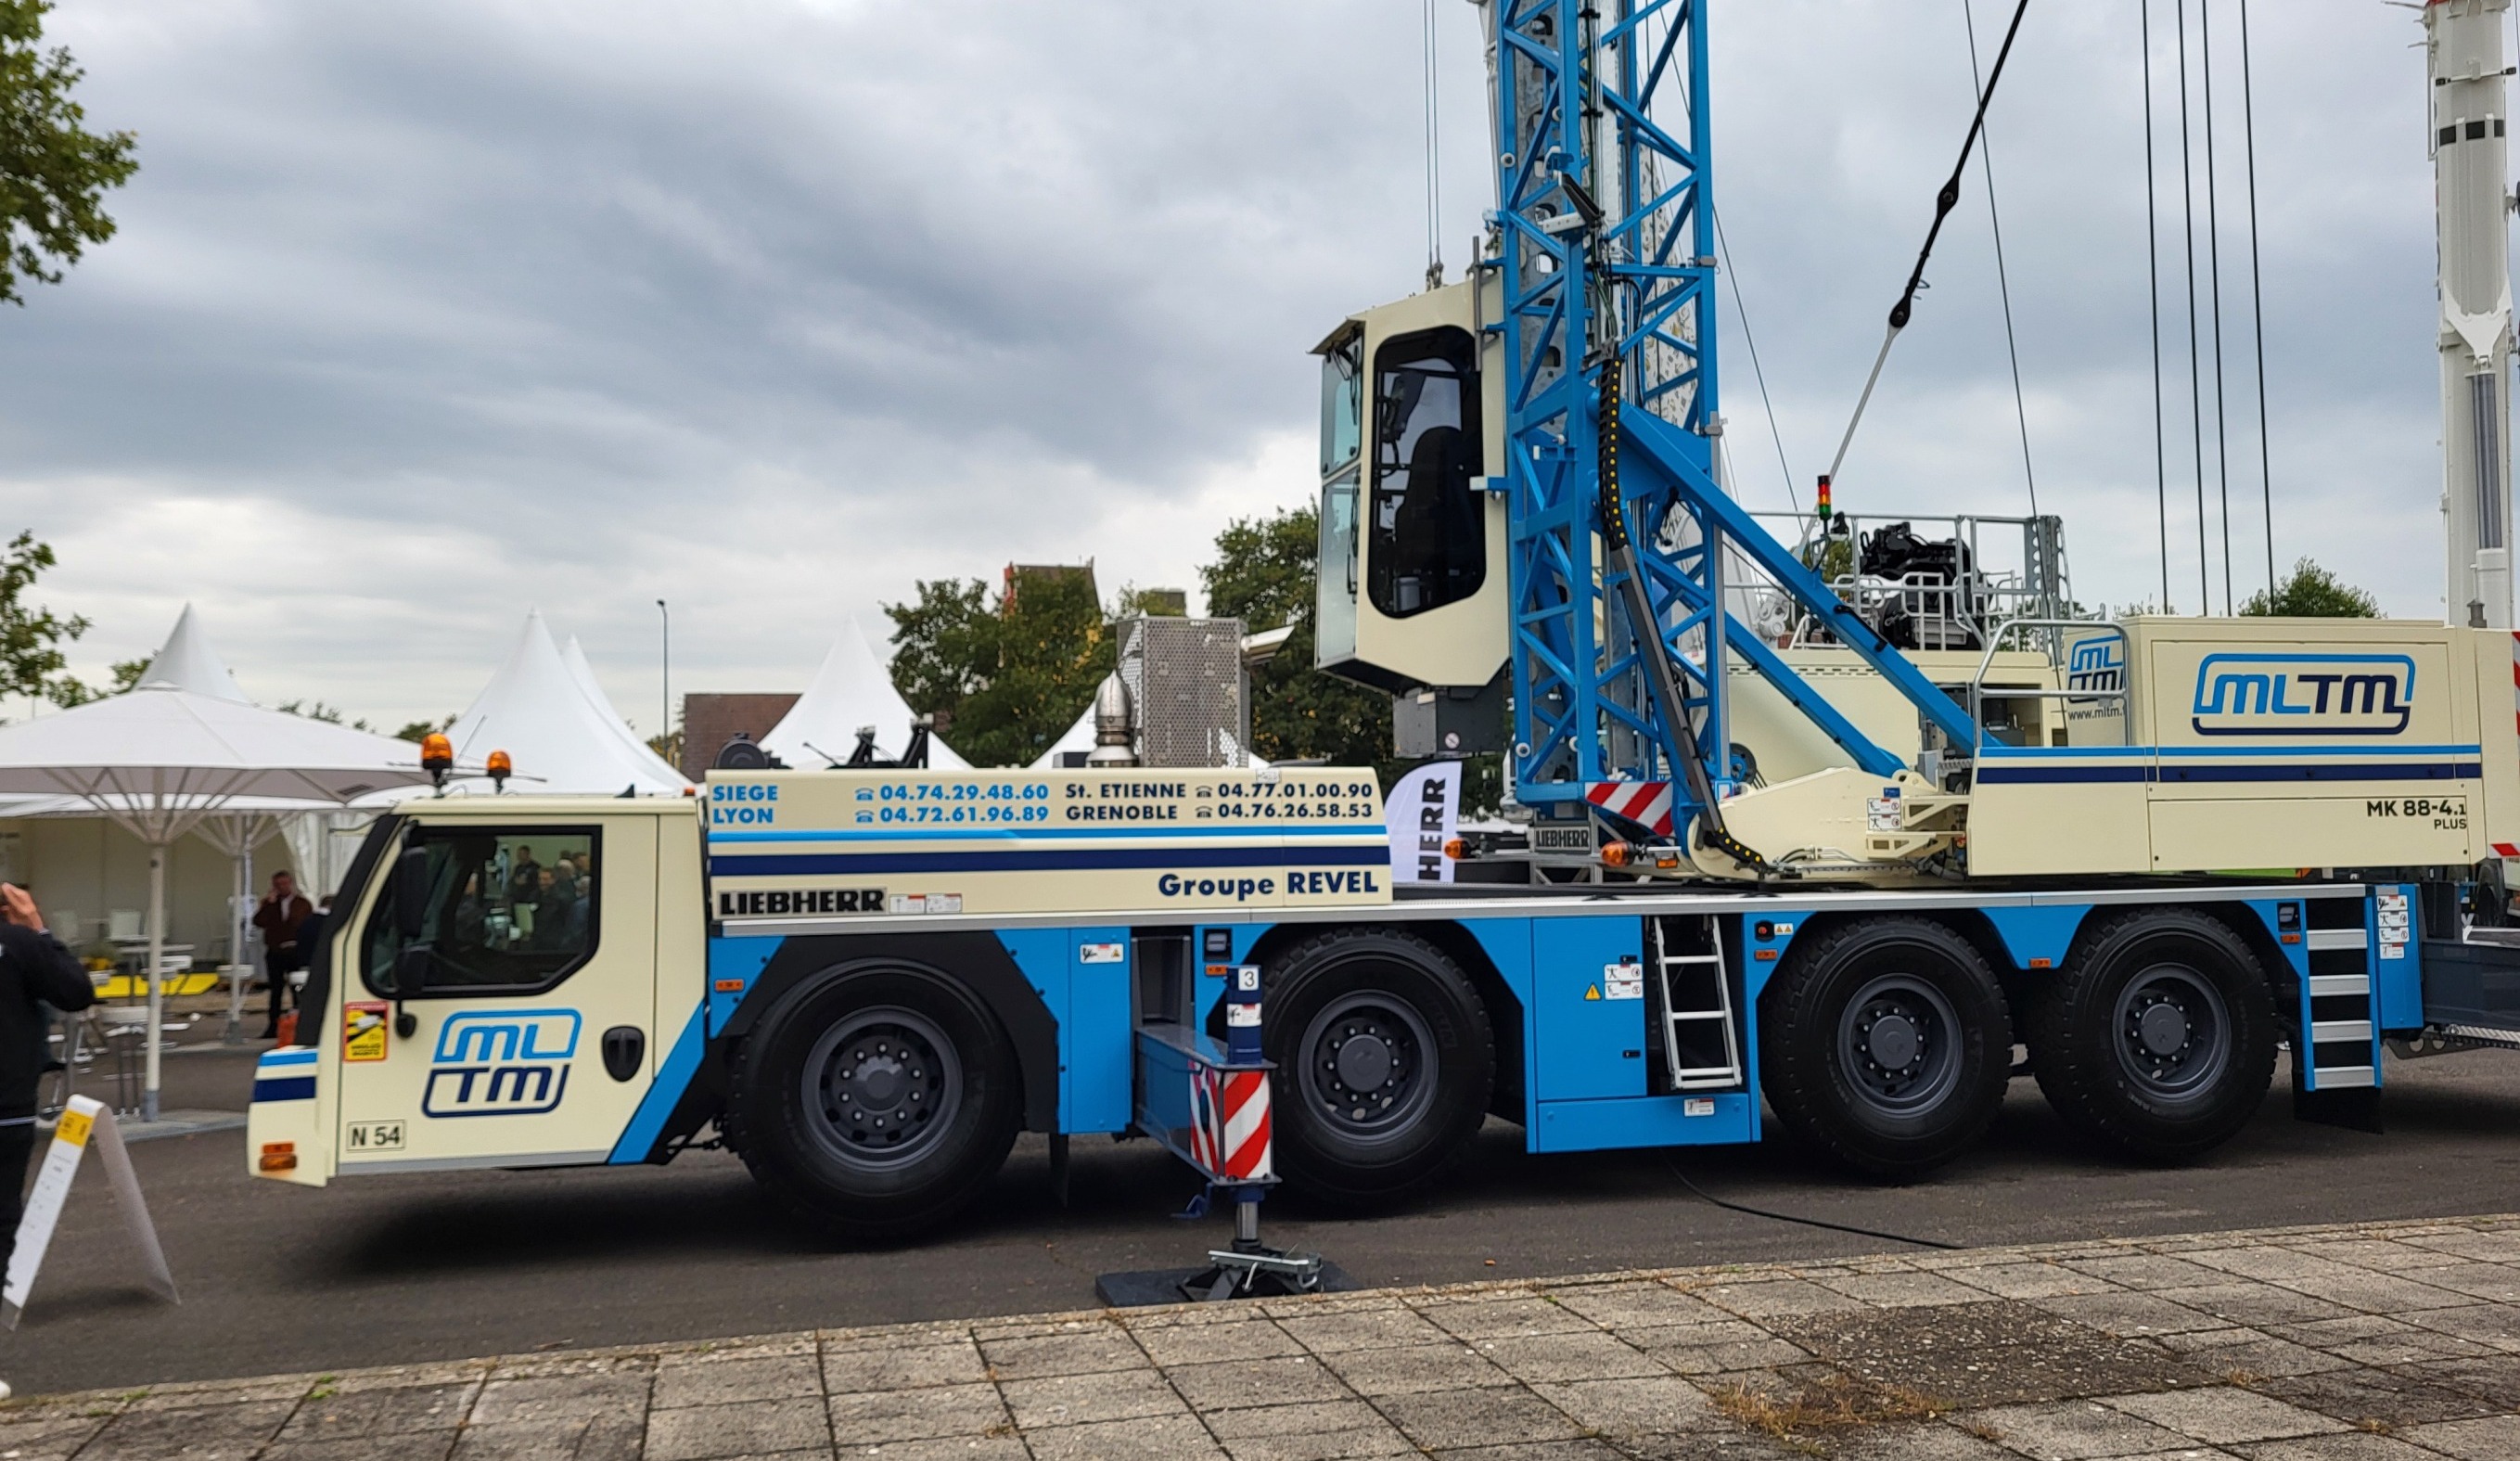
[(1617, 526)]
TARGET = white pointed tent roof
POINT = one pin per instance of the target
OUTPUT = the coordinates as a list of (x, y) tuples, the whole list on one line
[(1079, 737), (534, 709), (851, 690), (573, 656), (186, 662)]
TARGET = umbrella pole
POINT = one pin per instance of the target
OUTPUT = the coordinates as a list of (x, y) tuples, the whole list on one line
[(236, 942), (157, 980)]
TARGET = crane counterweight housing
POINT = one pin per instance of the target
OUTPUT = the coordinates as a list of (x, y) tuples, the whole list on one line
[(1822, 821)]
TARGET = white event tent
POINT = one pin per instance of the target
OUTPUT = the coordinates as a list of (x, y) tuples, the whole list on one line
[(159, 760), (573, 656), (1078, 737), (851, 691), (558, 730)]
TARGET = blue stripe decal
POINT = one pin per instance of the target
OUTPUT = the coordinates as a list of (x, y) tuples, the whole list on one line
[(1044, 833), (796, 865), (2043, 752), (639, 1138), (2298, 772), (2043, 775), (293, 1089), (290, 1057)]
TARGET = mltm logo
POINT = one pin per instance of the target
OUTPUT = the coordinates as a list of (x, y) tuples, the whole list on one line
[(2096, 666), (2304, 695), (500, 1063)]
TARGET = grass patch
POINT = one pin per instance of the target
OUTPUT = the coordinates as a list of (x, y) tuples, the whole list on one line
[(1837, 1403)]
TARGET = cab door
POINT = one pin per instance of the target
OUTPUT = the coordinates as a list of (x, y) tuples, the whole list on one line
[(525, 983)]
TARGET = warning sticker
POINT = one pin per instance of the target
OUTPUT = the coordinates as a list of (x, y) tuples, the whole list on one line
[(363, 1031), (1591, 992), (73, 1129), (1623, 981)]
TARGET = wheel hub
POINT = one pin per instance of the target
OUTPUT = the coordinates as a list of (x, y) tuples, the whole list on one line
[(1893, 1041), (1365, 1061), (883, 1088), (2163, 1028)]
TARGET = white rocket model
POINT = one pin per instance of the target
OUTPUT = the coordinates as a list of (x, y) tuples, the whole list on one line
[(2464, 41)]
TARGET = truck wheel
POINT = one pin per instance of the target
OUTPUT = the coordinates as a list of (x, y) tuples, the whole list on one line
[(1385, 1058), (2158, 1037), (1887, 1043), (877, 1100)]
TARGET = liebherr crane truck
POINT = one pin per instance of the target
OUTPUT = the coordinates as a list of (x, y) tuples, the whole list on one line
[(1833, 824)]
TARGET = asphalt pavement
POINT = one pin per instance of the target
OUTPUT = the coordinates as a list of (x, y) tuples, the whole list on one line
[(404, 1269)]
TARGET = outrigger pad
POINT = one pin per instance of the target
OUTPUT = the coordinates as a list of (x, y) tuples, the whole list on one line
[(1144, 1287)]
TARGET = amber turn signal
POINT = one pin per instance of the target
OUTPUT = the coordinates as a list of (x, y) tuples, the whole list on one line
[(1616, 855), (278, 1157), (1456, 848)]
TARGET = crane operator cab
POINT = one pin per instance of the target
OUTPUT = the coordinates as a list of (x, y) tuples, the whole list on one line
[(1413, 581)]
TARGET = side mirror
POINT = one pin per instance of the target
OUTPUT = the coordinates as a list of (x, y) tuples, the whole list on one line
[(411, 892), (411, 970)]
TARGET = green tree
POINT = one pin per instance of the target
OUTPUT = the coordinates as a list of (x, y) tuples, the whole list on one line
[(53, 170), (1263, 576), (31, 636), (2311, 592), (1005, 682), (420, 730), (316, 709)]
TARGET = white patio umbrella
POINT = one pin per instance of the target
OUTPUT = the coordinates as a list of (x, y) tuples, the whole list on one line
[(158, 759)]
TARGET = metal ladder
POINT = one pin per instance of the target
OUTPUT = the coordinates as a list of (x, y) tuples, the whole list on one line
[(1695, 993)]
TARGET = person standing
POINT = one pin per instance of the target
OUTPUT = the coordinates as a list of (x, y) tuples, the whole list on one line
[(34, 971), (283, 911)]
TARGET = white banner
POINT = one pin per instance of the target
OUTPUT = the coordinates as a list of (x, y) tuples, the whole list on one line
[(1421, 815), (86, 1118)]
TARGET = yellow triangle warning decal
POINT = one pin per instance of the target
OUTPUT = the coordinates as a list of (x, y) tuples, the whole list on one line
[(1591, 992)]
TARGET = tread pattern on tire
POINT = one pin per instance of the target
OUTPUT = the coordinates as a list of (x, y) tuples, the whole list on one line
[(2078, 1080), (798, 1198), (1797, 1074), (1328, 947)]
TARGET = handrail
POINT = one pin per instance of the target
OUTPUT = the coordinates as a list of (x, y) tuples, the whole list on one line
[(2123, 695)]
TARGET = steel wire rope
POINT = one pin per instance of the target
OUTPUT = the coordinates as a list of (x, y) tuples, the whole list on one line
[(1945, 200), (2257, 303), (2213, 275), (2003, 280), (1742, 310), (2152, 274), (1434, 170), (2195, 380)]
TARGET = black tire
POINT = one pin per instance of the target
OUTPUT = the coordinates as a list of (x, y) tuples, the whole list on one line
[(2158, 1036), (877, 1100), (1887, 1043), (1384, 1059)]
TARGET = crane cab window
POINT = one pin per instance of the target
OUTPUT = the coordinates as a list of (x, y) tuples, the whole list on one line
[(1342, 402), (1334, 596), (1426, 526), (509, 910)]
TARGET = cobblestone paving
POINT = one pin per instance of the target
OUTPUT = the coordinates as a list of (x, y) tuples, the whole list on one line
[(2391, 1342)]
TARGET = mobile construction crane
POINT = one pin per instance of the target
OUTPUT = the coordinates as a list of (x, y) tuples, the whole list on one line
[(1838, 825)]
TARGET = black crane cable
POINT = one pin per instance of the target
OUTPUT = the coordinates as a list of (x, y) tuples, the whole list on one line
[(1809, 1222), (2152, 272), (2002, 276), (1741, 308), (1944, 202)]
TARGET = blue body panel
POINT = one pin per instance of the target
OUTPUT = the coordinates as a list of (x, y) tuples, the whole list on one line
[(1586, 1044)]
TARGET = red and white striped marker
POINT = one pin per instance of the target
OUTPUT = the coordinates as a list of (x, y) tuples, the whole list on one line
[(1645, 802)]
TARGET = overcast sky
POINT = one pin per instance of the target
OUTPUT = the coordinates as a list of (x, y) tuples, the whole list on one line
[(421, 314)]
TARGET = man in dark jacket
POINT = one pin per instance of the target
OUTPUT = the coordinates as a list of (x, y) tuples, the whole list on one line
[(34, 967), (282, 911)]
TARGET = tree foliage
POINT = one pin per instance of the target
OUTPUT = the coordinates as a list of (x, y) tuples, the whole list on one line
[(2311, 592), (1002, 684), (53, 170), (421, 730), (31, 637), (1264, 574)]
